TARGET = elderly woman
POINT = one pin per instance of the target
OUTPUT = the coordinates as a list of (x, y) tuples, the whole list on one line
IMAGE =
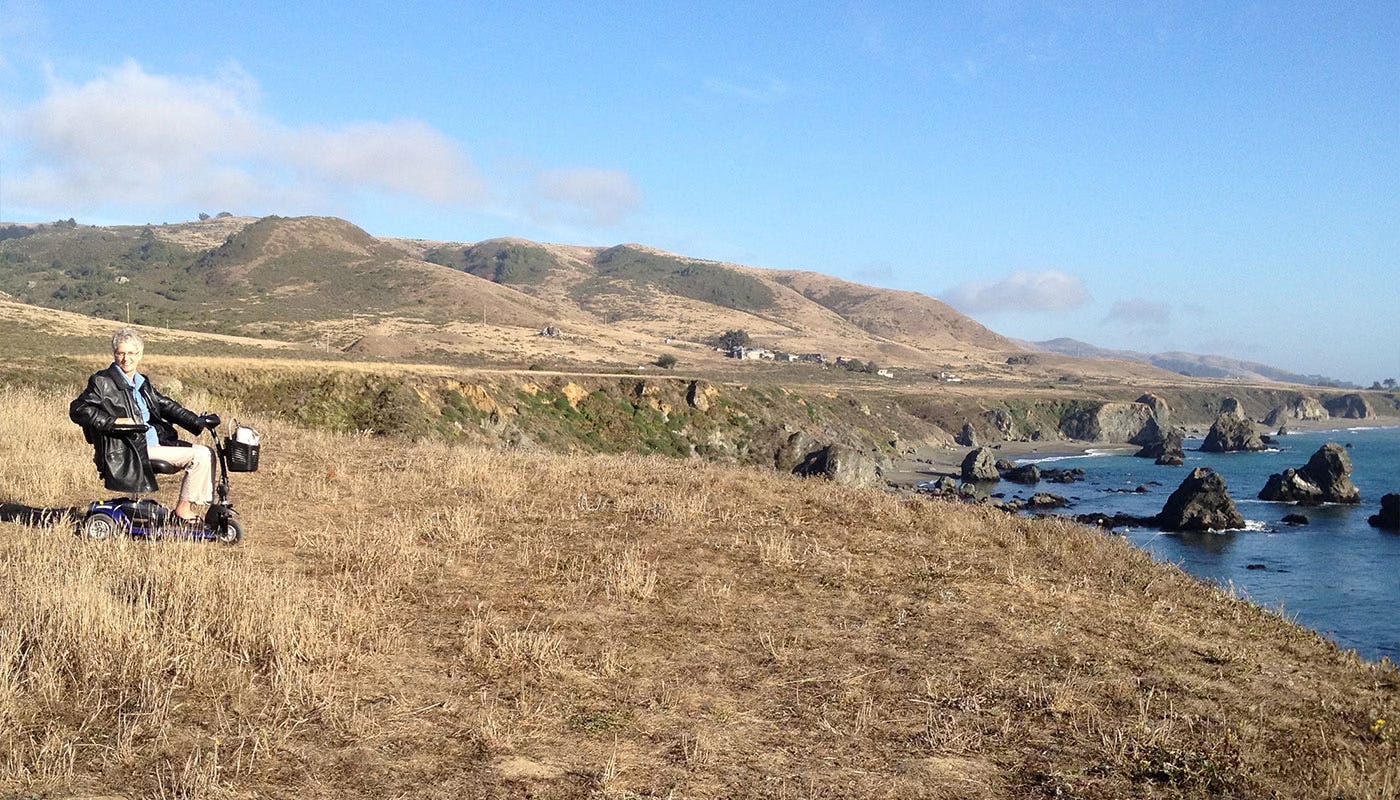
[(129, 423)]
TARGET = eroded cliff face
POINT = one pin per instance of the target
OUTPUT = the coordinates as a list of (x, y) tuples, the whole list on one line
[(680, 417)]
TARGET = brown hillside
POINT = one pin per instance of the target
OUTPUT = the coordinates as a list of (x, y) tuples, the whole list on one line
[(666, 295), (318, 271), (908, 317), (325, 281)]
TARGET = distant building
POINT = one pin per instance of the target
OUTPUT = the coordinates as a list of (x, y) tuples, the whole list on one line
[(885, 373), (750, 353)]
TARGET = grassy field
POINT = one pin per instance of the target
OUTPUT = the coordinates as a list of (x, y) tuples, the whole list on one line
[(422, 620)]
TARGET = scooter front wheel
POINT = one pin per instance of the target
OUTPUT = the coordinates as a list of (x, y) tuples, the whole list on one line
[(231, 533)]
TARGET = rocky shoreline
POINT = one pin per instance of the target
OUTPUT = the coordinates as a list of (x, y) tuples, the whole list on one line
[(933, 462), (945, 466)]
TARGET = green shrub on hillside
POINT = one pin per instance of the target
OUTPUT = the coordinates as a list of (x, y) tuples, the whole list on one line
[(697, 280), (499, 262)]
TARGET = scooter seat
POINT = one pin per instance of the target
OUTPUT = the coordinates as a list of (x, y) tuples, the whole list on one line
[(160, 467)]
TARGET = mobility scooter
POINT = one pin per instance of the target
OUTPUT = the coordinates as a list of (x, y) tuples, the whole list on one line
[(144, 518)]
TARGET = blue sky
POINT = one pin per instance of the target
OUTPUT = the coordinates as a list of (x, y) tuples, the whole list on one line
[(1212, 177)]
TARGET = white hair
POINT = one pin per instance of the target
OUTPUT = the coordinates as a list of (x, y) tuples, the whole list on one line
[(125, 335)]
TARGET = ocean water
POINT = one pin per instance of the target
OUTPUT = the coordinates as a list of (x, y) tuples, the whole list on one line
[(1336, 575)]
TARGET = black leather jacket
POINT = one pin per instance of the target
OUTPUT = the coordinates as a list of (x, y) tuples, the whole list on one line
[(120, 456)]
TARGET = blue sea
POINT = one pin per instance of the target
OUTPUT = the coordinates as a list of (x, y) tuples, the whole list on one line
[(1336, 575)]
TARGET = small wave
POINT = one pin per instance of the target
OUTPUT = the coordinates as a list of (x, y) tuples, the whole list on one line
[(1257, 525), (1090, 452)]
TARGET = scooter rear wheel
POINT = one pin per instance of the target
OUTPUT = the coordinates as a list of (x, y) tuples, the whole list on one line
[(100, 525)]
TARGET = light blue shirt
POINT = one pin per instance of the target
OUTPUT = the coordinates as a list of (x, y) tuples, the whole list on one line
[(136, 381)]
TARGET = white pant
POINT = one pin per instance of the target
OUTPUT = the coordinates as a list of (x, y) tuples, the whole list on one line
[(197, 487)]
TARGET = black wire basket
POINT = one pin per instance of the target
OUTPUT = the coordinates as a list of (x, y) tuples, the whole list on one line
[(242, 449)]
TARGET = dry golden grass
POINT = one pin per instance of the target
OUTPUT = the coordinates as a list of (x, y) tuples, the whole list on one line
[(429, 621)]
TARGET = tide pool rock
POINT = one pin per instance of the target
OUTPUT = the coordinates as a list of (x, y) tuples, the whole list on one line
[(1201, 503), (1231, 433), (1046, 500), (1326, 478), (1389, 518), (1028, 474)]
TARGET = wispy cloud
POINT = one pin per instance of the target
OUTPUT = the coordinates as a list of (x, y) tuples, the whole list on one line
[(1024, 291), (762, 90), (141, 141), (586, 195), (1137, 312)]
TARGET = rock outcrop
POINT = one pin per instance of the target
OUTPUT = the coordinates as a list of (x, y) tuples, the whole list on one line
[(1160, 410), (1304, 408), (1166, 448), (1001, 421), (1326, 478), (1349, 406), (1231, 405), (1201, 503), (1231, 433), (697, 396), (1109, 422), (1389, 518), (793, 451), (841, 464), (980, 467), (967, 437)]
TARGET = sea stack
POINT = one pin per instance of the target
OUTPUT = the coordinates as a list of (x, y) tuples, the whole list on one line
[(1201, 503)]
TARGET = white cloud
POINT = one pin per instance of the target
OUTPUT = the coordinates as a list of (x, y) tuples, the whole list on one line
[(146, 143), (1046, 290), (130, 136), (406, 157), (1137, 312), (587, 195)]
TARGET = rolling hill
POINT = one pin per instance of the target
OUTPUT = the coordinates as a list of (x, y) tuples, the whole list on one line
[(1192, 364), (323, 280)]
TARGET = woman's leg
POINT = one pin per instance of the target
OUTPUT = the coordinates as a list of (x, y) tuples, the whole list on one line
[(197, 488)]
